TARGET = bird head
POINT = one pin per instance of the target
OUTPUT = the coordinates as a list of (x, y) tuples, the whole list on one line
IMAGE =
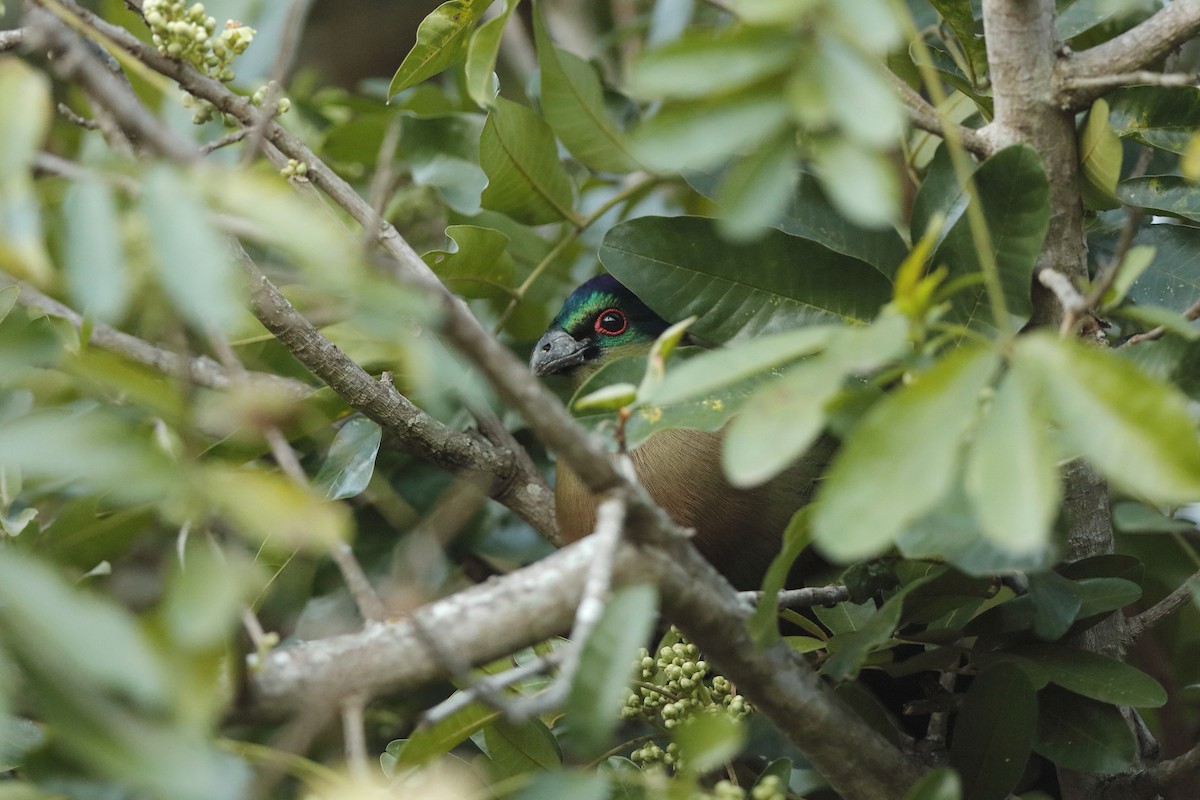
[(598, 322)]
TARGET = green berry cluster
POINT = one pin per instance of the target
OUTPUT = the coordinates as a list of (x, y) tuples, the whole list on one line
[(769, 788), (676, 684), (294, 169), (260, 96), (188, 34)]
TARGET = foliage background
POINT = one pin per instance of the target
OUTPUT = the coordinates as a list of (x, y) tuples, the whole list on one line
[(168, 497)]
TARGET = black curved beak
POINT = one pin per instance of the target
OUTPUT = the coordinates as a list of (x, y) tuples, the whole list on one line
[(557, 351)]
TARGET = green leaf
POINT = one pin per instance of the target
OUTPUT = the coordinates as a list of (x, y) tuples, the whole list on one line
[(1093, 675), (1162, 194), (1082, 16), (93, 257), (1096, 596), (860, 97), (605, 667), (1015, 198), (680, 266), (1056, 603), (482, 51), (848, 651), (1136, 430), (707, 741), (1133, 517), (98, 643), (573, 785), (1100, 159), (25, 91), (700, 135), (961, 19), (525, 179), (714, 370), (442, 39), (783, 418), (1150, 317), (1081, 734), (684, 68), (860, 181), (572, 101), (994, 732), (269, 507), (1160, 116), (757, 187), (901, 459), (846, 617), (938, 784), (430, 742), (764, 627), (350, 462), (607, 398), (1135, 262), (191, 259), (1012, 471), (478, 266), (520, 748)]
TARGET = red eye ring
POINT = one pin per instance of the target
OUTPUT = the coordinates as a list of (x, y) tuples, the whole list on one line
[(611, 322)]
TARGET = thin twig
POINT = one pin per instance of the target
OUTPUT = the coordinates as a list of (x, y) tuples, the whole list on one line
[(381, 181), (805, 598), (923, 115), (225, 141), (70, 116), (1137, 625), (365, 597), (354, 737), (1191, 313), (491, 686), (1138, 78)]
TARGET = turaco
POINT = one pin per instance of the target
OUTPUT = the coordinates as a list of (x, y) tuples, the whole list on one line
[(737, 530)]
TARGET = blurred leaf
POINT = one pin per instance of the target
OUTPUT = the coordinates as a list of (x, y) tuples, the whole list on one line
[(961, 19), (191, 260), (428, 743), (18, 736), (478, 266), (269, 507), (482, 50), (1162, 194), (1148, 317), (93, 257), (350, 462), (573, 785), (1012, 471), (1081, 734), (902, 457), (608, 398), (1136, 430), (572, 101), (862, 183), (757, 187), (1173, 277), (784, 417), (938, 784), (1133, 264), (994, 732), (442, 39), (520, 748), (848, 651), (97, 643), (1133, 517), (26, 92), (1093, 675), (707, 741), (525, 179), (606, 666), (22, 248), (680, 266), (1100, 159), (683, 68), (701, 134), (713, 370), (861, 98), (104, 454)]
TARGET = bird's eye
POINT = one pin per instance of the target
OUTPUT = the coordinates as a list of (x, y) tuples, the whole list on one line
[(612, 322)]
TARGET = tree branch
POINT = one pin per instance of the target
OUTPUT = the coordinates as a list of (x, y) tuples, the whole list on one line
[(921, 114), (1178, 773), (1083, 74), (1138, 625), (11, 40)]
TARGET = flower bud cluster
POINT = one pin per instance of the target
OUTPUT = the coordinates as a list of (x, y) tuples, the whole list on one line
[(187, 33), (294, 169), (769, 788)]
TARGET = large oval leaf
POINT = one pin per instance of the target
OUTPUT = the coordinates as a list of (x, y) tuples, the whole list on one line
[(901, 459), (442, 39), (519, 155), (994, 732), (681, 266), (1082, 734), (1164, 194), (1093, 675)]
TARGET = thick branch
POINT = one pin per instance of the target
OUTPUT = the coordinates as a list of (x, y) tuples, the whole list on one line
[(924, 116), (1168, 776), (1137, 48)]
